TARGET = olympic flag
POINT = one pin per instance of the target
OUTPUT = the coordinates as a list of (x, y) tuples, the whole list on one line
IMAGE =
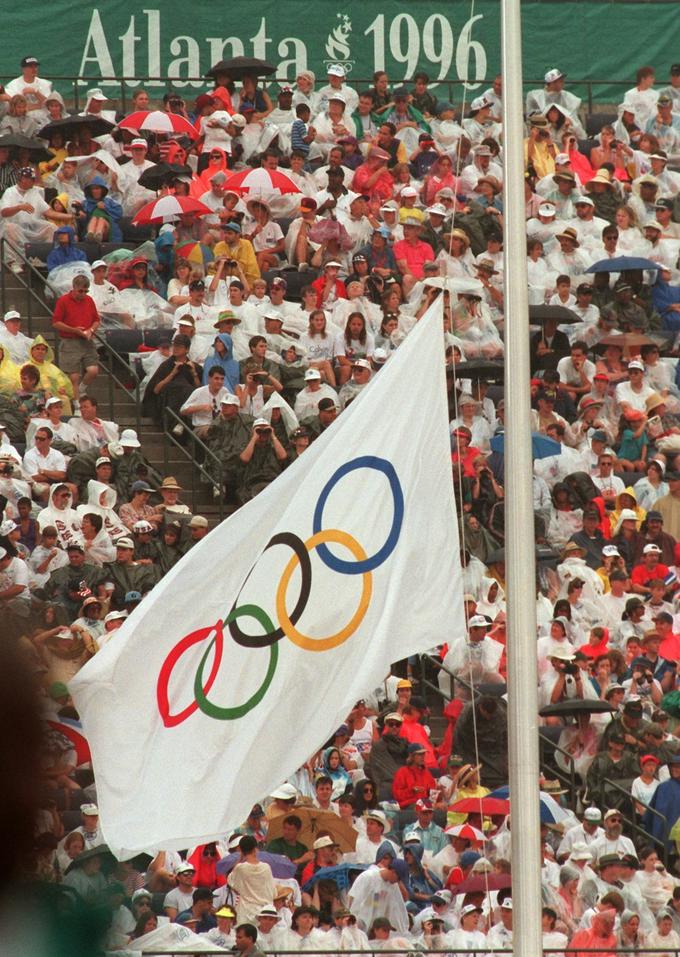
[(253, 648)]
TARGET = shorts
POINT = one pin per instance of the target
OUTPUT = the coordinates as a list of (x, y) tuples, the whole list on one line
[(75, 355)]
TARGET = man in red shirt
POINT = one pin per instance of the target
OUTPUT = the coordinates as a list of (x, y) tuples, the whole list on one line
[(328, 287), (76, 320), (649, 568), (670, 642), (413, 781), (411, 253)]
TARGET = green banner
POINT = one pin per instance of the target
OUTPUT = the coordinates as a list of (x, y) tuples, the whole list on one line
[(451, 41)]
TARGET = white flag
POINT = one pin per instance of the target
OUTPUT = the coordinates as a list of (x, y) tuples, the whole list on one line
[(252, 650)]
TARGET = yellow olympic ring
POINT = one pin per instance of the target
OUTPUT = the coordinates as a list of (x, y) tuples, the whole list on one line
[(332, 641)]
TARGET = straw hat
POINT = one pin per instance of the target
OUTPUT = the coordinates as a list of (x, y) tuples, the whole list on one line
[(458, 234), (602, 176), (569, 233), (171, 484)]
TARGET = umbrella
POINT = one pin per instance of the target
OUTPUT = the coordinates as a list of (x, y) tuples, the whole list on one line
[(282, 867), (193, 252), (484, 805), (340, 874), (167, 208), (315, 822), (622, 263), (560, 314), (481, 369), (574, 706), (541, 446), (480, 882), (261, 182), (155, 177), (240, 66), (15, 141), (155, 121), (630, 342), (174, 939), (465, 831), (328, 229), (71, 126), (551, 811)]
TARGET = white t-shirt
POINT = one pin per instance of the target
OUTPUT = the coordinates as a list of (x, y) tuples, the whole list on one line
[(317, 348), (19, 86), (179, 899), (16, 573), (203, 396), (34, 462), (355, 349), (270, 234)]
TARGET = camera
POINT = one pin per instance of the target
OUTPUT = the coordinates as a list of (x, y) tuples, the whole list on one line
[(231, 262), (262, 430), (570, 668)]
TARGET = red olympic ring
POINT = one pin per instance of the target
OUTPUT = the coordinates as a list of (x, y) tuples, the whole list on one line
[(194, 638)]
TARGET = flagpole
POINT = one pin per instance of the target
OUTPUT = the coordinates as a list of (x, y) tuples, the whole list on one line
[(519, 514)]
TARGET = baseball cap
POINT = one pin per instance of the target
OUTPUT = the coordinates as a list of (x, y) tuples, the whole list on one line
[(592, 814), (124, 543), (141, 487), (478, 621), (470, 909), (325, 841), (114, 616), (636, 364), (230, 399), (335, 69), (312, 374), (185, 867), (98, 263), (198, 521)]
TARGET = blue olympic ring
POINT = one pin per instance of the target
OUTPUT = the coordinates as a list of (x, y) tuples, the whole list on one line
[(373, 561)]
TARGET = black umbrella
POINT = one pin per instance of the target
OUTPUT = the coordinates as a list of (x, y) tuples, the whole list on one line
[(240, 66), (155, 177), (573, 706), (15, 141), (481, 369), (560, 314), (71, 126)]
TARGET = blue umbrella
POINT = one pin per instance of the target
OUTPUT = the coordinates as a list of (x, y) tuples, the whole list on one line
[(551, 811), (541, 446), (340, 873), (281, 866), (621, 263)]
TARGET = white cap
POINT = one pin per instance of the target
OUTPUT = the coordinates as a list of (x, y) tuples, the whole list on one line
[(312, 374), (627, 515), (592, 814), (140, 142), (611, 812), (377, 816), (142, 526), (651, 549), (652, 224), (636, 364), (379, 356), (546, 209), (610, 551), (325, 841), (272, 314), (469, 909), (184, 867), (114, 616), (478, 621), (336, 69), (3, 552), (221, 117), (53, 399), (553, 75), (99, 262), (12, 314), (238, 119), (437, 209), (142, 892), (337, 96), (333, 262), (229, 400), (563, 654), (129, 440), (409, 191), (285, 793), (361, 364), (102, 460), (91, 809), (507, 903), (580, 851), (8, 526), (562, 158), (584, 201), (96, 94), (268, 911), (262, 422)]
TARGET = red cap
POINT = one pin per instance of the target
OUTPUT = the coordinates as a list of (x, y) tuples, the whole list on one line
[(602, 376), (422, 804), (649, 757)]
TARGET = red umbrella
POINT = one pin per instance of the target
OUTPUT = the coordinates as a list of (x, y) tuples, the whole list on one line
[(481, 882), (465, 831), (156, 121), (261, 182), (484, 805), (169, 207), (74, 732), (327, 229)]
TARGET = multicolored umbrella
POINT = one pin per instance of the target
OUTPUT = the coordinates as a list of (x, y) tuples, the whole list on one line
[(168, 208), (73, 730), (466, 832), (551, 811), (156, 121), (261, 182), (192, 252), (282, 867)]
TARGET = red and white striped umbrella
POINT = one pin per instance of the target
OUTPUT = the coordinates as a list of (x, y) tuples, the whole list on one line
[(466, 832), (155, 121), (169, 208), (261, 182)]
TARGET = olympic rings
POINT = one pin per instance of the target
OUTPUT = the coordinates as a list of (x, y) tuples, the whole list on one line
[(363, 564), (368, 564), (332, 641), (272, 635)]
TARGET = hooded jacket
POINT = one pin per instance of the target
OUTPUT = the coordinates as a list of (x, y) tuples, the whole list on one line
[(61, 255), (615, 516), (65, 520), (52, 379), (226, 362), (9, 372), (97, 491), (112, 209)]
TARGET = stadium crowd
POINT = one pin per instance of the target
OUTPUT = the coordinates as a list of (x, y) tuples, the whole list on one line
[(271, 311)]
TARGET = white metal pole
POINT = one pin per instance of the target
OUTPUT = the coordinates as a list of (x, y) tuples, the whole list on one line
[(519, 514)]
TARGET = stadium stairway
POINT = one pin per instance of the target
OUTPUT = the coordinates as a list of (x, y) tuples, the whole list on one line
[(114, 391)]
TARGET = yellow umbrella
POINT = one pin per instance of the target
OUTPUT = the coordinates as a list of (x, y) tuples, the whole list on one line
[(316, 823)]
